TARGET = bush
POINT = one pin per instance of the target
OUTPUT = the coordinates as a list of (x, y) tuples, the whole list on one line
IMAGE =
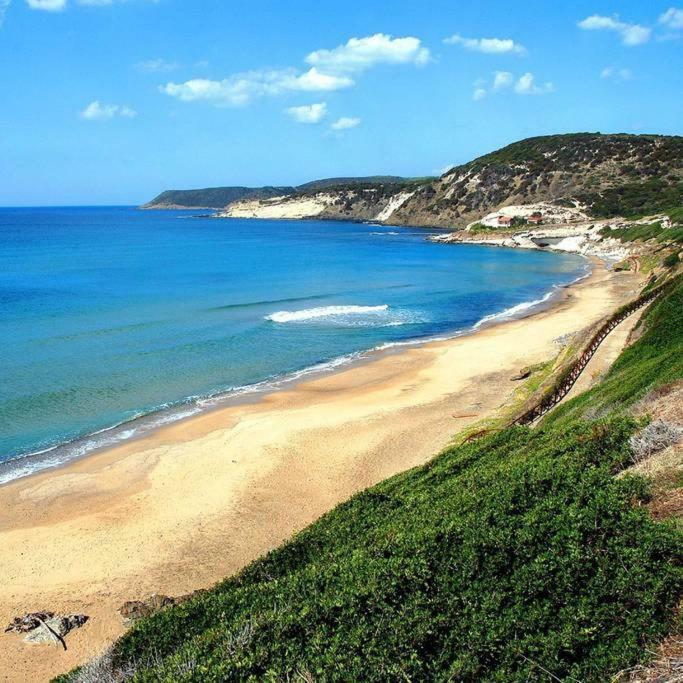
[(671, 260), (655, 437)]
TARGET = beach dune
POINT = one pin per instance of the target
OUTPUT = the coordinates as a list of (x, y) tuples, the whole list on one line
[(196, 501)]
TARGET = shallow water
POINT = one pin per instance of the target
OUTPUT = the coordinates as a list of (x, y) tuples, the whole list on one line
[(108, 314)]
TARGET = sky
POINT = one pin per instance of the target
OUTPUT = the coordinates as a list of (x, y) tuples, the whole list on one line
[(113, 101)]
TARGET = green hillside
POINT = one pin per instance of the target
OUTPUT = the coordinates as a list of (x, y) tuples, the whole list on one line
[(518, 557), (608, 174), (212, 197)]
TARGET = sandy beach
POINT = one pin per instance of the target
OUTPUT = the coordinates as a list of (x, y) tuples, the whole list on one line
[(194, 502)]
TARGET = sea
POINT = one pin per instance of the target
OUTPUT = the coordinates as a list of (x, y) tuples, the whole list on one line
[(115, 320)]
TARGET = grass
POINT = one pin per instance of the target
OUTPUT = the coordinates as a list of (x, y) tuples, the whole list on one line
[(518, 557)]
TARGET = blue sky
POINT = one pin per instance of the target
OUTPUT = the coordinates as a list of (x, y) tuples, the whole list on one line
[(112, 101)]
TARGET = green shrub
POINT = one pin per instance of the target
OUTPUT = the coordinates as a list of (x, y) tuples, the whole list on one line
[(500, 560), (671, 260)]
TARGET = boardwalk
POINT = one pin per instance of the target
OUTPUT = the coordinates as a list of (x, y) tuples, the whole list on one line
[(567, 380)]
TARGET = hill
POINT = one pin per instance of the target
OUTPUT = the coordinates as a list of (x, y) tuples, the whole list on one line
[(609, 175), (220, 197), (212, 197), (606, 175), (603, 175), (518, 556)]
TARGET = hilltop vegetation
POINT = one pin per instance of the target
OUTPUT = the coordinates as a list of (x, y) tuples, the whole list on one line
[(518, 557), (361, 182), (212, 197)]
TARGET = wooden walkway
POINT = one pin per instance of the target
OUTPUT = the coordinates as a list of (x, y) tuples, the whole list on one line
[(568, 378)]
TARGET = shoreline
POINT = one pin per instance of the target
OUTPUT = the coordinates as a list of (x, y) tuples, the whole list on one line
[(197, 500), (147, 423)]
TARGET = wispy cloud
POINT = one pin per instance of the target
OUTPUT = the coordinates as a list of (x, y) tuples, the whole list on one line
[(328, 70), (47, 5), (526, 85), (308, 113), (610, 72), (96, 111), (359, 54), (59, 5), (631, 34), (241, 89), (158, 65), (672, 18), (505, 80), (345, 122), (494, 46), (502, 79), (4, 4)]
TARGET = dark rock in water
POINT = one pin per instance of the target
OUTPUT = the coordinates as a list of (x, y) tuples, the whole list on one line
[(133, 610)]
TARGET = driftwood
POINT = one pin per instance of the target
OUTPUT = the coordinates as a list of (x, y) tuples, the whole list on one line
[(28, 622), (46, 627)]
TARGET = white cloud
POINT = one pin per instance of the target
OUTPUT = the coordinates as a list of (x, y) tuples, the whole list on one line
[(96, 111), (241, 89), (308, 113), (157, 65), (505, 80), (47, 5), (345, 122), (328, 70), (315, 80), (526, 85), (59, 5), (495, 46), (631, 34), (673, 18), (358, 54), (502, 79), (610, 72), (4, 4)]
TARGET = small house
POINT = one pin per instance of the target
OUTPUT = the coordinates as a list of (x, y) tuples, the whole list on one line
[(505, 221), (536, 218)]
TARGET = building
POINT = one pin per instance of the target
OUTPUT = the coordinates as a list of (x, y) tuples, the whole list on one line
[(505, 221), (536, 218)]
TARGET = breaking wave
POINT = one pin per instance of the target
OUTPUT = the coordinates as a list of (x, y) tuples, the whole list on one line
[(325, 312)]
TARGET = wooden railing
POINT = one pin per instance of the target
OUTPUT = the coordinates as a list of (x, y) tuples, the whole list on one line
[(568, 378)]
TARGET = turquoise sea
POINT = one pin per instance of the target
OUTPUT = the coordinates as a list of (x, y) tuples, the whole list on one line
[(115, 320)]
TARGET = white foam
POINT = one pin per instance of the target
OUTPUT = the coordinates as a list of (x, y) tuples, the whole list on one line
[(323, 312), (513, 311)]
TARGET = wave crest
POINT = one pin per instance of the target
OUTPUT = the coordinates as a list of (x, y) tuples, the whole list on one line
[(324, 312), (513, 311)]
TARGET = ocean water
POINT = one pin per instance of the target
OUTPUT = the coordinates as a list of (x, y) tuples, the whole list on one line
[(113, 320)]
